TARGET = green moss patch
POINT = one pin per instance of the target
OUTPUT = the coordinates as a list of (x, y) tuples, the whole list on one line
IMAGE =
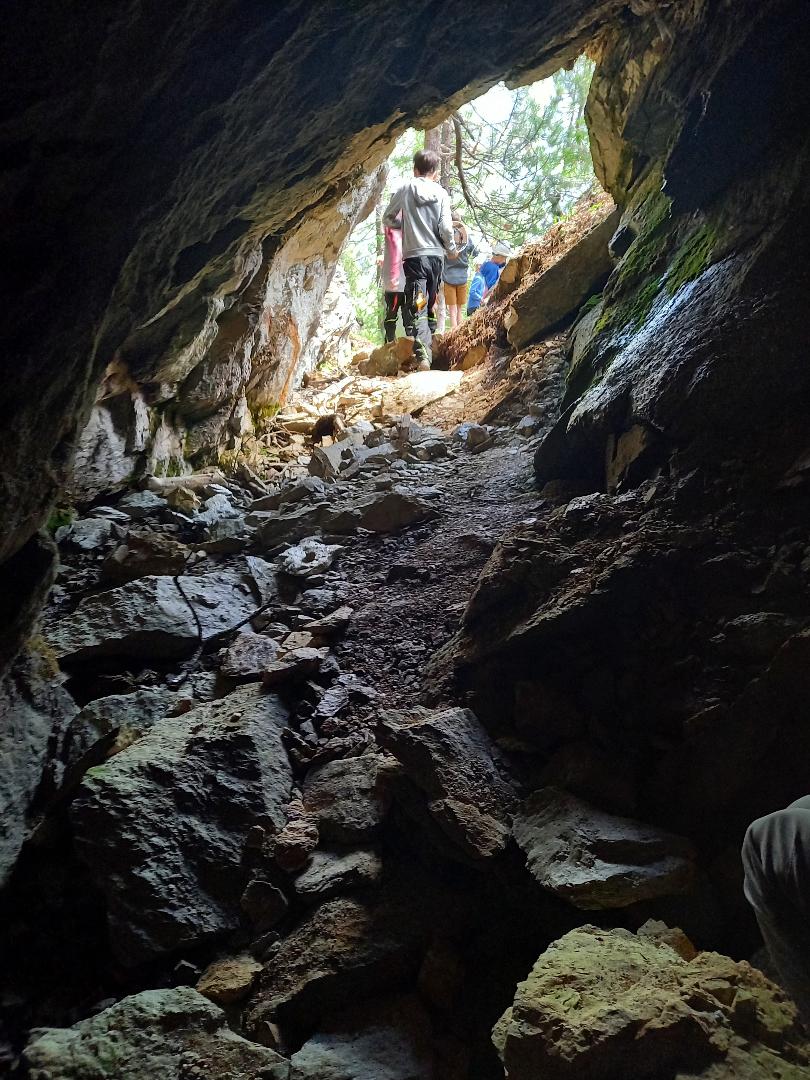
[(58, 517), (692, 258)]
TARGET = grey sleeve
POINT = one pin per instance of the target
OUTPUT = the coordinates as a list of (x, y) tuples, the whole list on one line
[(445, 225), (391, 211)]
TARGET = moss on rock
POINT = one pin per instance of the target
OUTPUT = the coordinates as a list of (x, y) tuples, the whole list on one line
[(691, 259)]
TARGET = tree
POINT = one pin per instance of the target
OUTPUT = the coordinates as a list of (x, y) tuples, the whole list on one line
[(520, 176)]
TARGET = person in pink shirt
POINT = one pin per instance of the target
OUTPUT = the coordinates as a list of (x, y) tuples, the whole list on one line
[(393, 279)]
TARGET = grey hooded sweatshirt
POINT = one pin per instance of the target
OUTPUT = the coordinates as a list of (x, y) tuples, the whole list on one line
[(426, 225)]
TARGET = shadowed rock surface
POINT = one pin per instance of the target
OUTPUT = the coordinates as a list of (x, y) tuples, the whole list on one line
[(180, 802)]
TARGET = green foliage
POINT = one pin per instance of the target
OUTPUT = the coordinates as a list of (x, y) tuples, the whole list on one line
[(589, 305), (359, 260), (526, 173), (59, 517)]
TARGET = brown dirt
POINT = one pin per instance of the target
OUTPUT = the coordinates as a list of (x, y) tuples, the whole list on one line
[(485, 327)]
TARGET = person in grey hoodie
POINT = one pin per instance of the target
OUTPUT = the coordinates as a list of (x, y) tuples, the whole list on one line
[(427, 234)]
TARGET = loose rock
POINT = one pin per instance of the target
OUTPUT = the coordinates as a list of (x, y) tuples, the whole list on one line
[(596, 860), (330, 873), (229, 980), (163, 824), (349, 799), (151, 1035), (449, 755)]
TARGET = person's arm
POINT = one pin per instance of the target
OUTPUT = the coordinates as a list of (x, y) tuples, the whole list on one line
[(446, 226), (395, 205)]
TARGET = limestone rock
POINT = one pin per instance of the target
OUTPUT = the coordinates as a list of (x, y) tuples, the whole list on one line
[(332, 625), (349, 799), (154, 1035), (387, 1040), (183, 499), (290, 525), (292, 667), (562, 288), (414, 392), (327, 461), (162, 825), (308, 558), (309, 489), (449, 755), (126, 716), (88, 535), (597, 860), (151, 617), (141, 504), (330, 873), (387, 359), (608, 1005), (229, 979), (249, 656), (264, 904), (264, 578), (387, 511), (144, 554), (144, 618), (296, 840), (220, 599)]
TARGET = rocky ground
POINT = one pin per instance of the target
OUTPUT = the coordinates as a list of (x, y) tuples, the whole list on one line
[(271, 796)]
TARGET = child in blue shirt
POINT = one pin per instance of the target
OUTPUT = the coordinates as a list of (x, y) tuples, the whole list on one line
[(486, 276)]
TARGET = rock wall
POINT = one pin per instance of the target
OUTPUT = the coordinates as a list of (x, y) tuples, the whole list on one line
[(696, 337), (647, 636), (201, 399)]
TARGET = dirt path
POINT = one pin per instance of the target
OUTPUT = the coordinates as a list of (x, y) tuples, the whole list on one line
[(410, 589)]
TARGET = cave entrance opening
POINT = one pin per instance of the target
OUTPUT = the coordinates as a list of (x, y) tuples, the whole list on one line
[(514, 161)]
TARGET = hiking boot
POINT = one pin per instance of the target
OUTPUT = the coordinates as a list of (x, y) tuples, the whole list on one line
[(423, 365)]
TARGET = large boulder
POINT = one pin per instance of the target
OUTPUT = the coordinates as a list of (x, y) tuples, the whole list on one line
[(33, 709), (154, 1035), (145, 618), (344, 947), (153, 617), (597, 860), (451, 759), (607, 1004), (561, 289), (163, 824)]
